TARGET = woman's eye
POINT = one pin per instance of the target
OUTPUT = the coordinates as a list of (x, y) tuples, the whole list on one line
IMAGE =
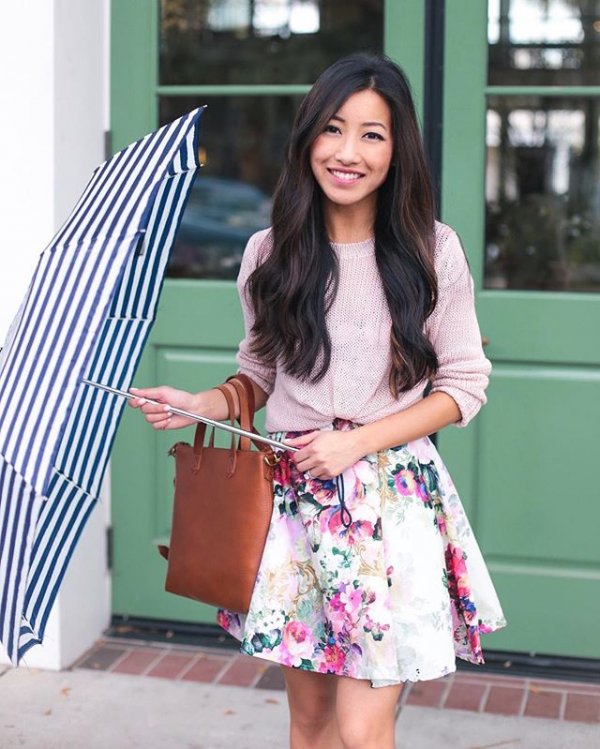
[(374, 136), (331, 129)]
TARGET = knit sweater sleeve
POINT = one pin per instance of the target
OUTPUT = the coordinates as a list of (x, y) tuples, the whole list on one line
[(454, 332), (248, 362)]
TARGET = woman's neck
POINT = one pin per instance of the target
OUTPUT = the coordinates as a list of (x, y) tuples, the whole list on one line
[(347, 224)]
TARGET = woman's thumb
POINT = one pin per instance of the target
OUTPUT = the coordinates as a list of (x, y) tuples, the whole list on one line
[(155, 394)]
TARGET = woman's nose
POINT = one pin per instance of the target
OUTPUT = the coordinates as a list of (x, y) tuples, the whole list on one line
[(347, 152)]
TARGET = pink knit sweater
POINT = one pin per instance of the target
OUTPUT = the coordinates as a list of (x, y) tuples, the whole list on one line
[(356, 384)]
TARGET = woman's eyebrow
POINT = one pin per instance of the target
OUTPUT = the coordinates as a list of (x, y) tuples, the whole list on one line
[(364, 124)]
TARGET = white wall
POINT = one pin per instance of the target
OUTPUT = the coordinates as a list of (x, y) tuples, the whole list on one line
[(54, 83)]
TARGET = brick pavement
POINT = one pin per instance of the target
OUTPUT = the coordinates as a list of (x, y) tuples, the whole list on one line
[(477, 691)]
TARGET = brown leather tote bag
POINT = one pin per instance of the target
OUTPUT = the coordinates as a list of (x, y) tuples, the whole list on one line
[(221, 512)]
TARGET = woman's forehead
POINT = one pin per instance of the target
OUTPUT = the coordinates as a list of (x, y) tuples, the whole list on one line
[(365, 107)]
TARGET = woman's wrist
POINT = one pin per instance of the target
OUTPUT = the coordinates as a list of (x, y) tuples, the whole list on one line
[(211, 403), (365, 442)]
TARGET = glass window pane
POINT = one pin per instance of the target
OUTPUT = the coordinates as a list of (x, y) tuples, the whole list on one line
[(262, 41), (543, 42), (543, 193), (242, 142)]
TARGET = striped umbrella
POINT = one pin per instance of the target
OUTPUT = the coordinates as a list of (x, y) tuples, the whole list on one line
[(87, 314)]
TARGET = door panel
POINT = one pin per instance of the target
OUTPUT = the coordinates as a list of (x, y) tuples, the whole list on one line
[(549, 611), (534, 466), (525, 468)]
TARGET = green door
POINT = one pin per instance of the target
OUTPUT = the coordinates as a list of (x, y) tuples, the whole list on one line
[(250, 62), (521, 182)]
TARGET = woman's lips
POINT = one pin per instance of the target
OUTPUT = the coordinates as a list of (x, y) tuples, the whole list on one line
[(343, 177)]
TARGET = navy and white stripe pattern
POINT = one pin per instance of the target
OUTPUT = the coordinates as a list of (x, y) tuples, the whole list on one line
[(87, 315)]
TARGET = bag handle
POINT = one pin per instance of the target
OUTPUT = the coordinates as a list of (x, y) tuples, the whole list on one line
[(245, 391), (247, 383), (228, 392), (246, 414)]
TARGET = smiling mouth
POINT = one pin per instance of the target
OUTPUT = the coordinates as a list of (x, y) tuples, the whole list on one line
[(346, 176)]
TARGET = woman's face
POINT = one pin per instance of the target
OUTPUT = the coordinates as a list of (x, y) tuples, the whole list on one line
[(350, 159)]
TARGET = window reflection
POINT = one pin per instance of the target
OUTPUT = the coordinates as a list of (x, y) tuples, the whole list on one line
[(242, 142), (543, 193), (262, 41), (543, 42)]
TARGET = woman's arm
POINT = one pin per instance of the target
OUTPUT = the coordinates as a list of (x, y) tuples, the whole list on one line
[(326, 454), (210, 403)]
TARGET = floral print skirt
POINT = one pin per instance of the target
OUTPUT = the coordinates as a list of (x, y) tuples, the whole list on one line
[(395, 595)]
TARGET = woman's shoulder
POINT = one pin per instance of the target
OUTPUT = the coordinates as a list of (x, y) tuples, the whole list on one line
[(450, 259), (257, 247), (259, 243)]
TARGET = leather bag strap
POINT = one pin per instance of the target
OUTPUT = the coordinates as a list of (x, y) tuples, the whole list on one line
[(228, 392), (247, 383), (245, 417), (245, 391)]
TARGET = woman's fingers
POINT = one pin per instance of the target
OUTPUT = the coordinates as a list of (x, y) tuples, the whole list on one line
[(303, 440), (136, 402), (156, 394), (156, 404)]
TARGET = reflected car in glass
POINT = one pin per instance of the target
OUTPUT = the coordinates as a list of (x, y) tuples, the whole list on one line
[(219, 218)]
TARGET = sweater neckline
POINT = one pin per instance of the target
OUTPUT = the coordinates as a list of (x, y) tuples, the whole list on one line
[(354, 249)]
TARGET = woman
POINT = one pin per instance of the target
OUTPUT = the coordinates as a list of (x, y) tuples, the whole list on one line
[(354, 300)]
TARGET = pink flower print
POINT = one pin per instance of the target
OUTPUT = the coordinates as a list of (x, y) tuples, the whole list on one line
[(322, 490), (364, 471), (421, 490), (376, 629), (333, 660), (282, 471), (336, 611), (336, 602), (458, 584), (357, 531), (456, 557), (228, 619), (463, 587), (423, 449), (297, 643), (405, 482), (331, 520), (352, 600)]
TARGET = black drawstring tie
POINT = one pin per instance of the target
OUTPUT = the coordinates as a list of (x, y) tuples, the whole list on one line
[(344, 512)]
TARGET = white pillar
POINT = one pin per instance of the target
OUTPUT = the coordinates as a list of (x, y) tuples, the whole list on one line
[(54, 73)]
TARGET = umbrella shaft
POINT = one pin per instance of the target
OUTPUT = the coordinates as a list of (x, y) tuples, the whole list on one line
[(202, 419)]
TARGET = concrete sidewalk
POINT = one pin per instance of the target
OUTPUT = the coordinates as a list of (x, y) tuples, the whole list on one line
[(96, 710)]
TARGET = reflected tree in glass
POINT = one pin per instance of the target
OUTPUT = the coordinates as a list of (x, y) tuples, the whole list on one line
[(543, 194)]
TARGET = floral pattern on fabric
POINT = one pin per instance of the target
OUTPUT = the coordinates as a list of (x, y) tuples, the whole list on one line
[(396, 596)]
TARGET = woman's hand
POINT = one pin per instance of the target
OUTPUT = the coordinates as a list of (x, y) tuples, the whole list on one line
[(159, 416), (326, 454)]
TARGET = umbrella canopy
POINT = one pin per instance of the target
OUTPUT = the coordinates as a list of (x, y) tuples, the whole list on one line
[(87, 314)]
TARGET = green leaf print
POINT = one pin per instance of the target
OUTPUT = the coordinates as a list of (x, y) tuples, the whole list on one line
[(377, 530), (306, 664), (309, 499), (341, 553), (430, 476), (246, 647)]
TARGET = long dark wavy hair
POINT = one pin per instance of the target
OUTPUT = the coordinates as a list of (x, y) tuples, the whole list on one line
[(294, 286)]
